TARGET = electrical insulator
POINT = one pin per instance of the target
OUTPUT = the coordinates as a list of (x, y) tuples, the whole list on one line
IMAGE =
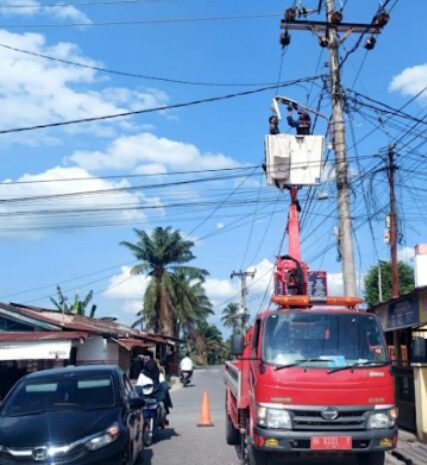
[(285, 39), (290, 15), (336, 17), (381, 19), (323, 41), (387, 236), (387, 221), (370, 43), (303, 12)]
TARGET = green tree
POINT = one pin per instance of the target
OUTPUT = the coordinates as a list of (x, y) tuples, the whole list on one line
[(217, 349), (161, 254), (406, 281), (232, 317), (78, 307), (192, 308)]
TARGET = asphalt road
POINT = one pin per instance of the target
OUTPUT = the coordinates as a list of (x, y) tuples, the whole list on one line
[(183, 443)]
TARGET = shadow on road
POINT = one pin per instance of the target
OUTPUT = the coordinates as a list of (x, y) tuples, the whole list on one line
[(146, 458), (166, 434)]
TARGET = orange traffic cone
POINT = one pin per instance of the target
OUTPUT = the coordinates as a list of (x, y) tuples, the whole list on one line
[(205, 412)]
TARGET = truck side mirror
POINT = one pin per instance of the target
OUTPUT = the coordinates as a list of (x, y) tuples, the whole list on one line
[(237, 344)]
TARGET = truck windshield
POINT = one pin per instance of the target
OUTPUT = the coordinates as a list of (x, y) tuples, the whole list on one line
[(340, 339)]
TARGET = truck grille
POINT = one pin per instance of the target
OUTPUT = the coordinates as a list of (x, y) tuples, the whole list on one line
[(311, 419)]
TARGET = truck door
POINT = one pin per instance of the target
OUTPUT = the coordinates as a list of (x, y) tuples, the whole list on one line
[(255, 357)]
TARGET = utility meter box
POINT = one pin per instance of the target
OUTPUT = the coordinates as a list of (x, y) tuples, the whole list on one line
[(293, 160)]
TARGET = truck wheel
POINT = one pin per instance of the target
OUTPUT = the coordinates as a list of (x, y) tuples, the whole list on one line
[(232, 435), (257, 457), (371, 458)]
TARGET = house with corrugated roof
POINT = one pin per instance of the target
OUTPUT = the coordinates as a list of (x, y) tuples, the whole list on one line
[(34, 338)]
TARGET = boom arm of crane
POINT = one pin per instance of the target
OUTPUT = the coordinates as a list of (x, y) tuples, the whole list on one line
[(292, 103)]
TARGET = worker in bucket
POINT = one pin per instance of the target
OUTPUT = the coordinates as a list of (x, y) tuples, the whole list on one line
[(274, 125), (302, 124)]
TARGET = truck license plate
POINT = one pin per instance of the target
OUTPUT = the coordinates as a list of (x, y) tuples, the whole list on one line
[(331, 443)]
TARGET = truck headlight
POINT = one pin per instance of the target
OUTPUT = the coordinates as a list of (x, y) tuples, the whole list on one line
[(382, 419), (273, 418), (103, 439)]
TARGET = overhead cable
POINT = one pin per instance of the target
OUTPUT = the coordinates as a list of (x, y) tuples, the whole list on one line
[(154, 109), (133, 75)]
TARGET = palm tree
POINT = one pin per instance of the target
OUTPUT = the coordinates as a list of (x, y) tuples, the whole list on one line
[(161, 254), (232, 317), (78, 307), (192, 308)]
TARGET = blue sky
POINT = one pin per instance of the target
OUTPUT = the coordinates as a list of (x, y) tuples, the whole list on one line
[(237, 222)]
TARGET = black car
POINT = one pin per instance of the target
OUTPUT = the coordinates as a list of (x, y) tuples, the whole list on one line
[(88, 415)]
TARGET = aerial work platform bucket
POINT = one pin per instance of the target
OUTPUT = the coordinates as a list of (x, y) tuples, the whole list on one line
[(293, 160)]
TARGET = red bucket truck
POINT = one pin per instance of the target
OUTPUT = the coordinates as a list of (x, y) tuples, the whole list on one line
[(311, 375)]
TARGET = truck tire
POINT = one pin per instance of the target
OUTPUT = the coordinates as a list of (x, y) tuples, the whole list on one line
[(232, 435), (257, 457), (371, 458)]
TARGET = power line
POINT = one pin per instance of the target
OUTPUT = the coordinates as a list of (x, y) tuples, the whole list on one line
[(130, 74), (125, 175), (152, 110), (140, 22), (18, 6)]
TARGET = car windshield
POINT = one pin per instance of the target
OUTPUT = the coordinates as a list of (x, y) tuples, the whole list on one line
[(66, 392), (332, 340)]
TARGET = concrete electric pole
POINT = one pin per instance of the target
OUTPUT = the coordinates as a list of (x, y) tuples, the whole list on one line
[(341, 172), (393, 225), (243, 292), (327, 32)]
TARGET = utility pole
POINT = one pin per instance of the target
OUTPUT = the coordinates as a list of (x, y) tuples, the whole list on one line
[(327, 32), (380, 282), (393, 225), (341, 172), (243, 292)]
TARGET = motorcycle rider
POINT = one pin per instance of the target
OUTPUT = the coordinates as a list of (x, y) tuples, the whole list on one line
[(151, 375), (186, 365)]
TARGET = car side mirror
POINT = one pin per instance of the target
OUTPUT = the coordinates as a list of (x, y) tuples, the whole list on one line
[(135, 403), (237, 344)]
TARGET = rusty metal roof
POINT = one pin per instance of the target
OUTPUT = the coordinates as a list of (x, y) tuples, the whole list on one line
[(82, 324), (41, 335), (130, 344)]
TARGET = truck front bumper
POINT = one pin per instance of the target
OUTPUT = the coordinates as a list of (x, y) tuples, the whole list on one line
[(300, 441)]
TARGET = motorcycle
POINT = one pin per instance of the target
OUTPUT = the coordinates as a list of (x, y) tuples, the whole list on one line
[(185, 378), (153, 411)]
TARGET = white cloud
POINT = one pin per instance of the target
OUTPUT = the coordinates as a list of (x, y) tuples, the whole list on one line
[(220, 225), (129, 287), (219, 290), (138, 151), (410, 81), (30, 215), (126, 291), (263, 277), (335, 284), (35, 91), (406, 254), (32, 8)]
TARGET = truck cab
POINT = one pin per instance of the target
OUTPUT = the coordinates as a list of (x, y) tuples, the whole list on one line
[(312, 380)]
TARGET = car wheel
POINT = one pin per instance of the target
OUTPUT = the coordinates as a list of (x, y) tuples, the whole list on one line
[(127, 458)]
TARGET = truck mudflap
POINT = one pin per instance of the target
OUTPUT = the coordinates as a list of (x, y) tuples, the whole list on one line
[(325, 441)]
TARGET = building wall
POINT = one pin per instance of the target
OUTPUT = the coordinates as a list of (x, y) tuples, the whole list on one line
[(97, 350)]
